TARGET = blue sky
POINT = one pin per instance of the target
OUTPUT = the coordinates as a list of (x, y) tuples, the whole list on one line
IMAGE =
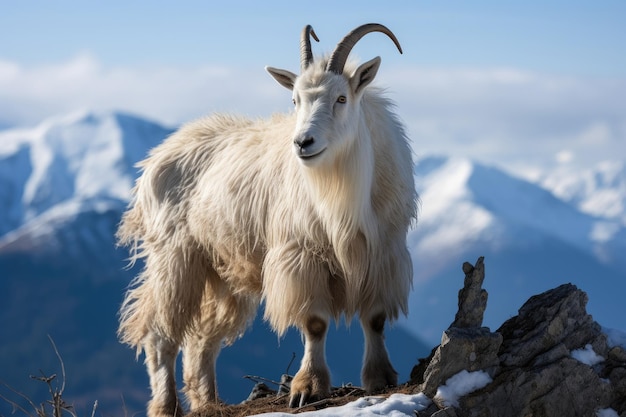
[(506, 82), (575, 37)]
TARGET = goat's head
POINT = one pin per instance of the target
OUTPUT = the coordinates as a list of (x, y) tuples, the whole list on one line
[(327, 100)]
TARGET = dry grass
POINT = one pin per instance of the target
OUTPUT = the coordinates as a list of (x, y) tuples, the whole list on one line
[(339, 396), (56, 406)]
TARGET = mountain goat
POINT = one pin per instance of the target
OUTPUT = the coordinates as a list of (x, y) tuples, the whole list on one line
[(306, 212)]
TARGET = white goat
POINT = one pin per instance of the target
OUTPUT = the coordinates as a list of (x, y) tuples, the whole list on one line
[(307, 212)]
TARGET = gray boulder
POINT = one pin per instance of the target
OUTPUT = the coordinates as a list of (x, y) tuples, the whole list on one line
[(537, 375), (529, 358)]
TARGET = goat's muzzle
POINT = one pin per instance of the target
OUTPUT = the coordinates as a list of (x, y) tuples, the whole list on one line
[(306, 147)]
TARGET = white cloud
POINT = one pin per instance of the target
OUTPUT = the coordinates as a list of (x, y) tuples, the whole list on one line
[(508, 117), (171, 95), (512, 117), (596, 134), (565, 156)]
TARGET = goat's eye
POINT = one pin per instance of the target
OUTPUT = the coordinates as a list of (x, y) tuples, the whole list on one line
[(293, 100), (341, 99)]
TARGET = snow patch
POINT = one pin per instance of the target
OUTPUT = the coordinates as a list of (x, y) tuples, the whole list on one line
[(460, 385), (606, 412), (615, 337), (587, 355), (397, 405)]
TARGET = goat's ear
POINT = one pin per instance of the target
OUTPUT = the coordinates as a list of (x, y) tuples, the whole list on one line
[(284, 77), (364, 75)]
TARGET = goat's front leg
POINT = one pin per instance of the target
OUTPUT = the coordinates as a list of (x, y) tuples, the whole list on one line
[(377, 372), (312, 382)]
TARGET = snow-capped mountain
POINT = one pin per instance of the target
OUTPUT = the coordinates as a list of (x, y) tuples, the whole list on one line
[(599, 191), (531, 239), (65, 183), (495, 206), (74, 158)]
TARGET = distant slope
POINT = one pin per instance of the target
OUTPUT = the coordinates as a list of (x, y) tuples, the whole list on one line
[(73, 297), (73, 158), (599, 191)]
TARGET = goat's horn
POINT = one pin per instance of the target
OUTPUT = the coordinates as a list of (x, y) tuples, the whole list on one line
[(306, 55), (340, 54)]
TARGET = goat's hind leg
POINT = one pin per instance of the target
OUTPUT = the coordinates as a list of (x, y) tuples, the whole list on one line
[(223, 318), (377, 372), (161, 362), (199, 358)]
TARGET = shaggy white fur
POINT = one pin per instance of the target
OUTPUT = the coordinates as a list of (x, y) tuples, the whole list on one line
[(307, 212)]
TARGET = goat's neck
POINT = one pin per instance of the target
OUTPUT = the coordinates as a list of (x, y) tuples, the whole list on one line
[(342, 195)]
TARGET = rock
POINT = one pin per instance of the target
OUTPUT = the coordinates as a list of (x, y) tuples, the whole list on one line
[(617, 376), (462, 349), (260, 390), (285, 384), (615, 371), (417, 373), (529, 358), (618, 354), (537, 375), (555, 317), (564, 388), (465, 345), (472, 297), (429, 411), (446, 412)]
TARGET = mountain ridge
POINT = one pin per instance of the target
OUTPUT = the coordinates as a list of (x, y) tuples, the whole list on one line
[(82, 155), (531, 240)]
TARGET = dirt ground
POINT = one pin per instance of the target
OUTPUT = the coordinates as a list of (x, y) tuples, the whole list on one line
[(339, 396)]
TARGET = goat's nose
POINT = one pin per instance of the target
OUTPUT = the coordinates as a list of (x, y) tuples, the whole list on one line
[(305, 142)]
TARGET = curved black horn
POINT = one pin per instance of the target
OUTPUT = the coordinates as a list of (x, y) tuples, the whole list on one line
[(340, 54), (306, 55)]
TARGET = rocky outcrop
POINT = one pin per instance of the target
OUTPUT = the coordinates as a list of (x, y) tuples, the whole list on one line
[(551, 359), (465, 345), (472, 297)]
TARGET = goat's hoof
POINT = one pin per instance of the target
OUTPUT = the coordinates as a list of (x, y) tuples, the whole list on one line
[(171, 409), (308, 386), (375, 378)]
